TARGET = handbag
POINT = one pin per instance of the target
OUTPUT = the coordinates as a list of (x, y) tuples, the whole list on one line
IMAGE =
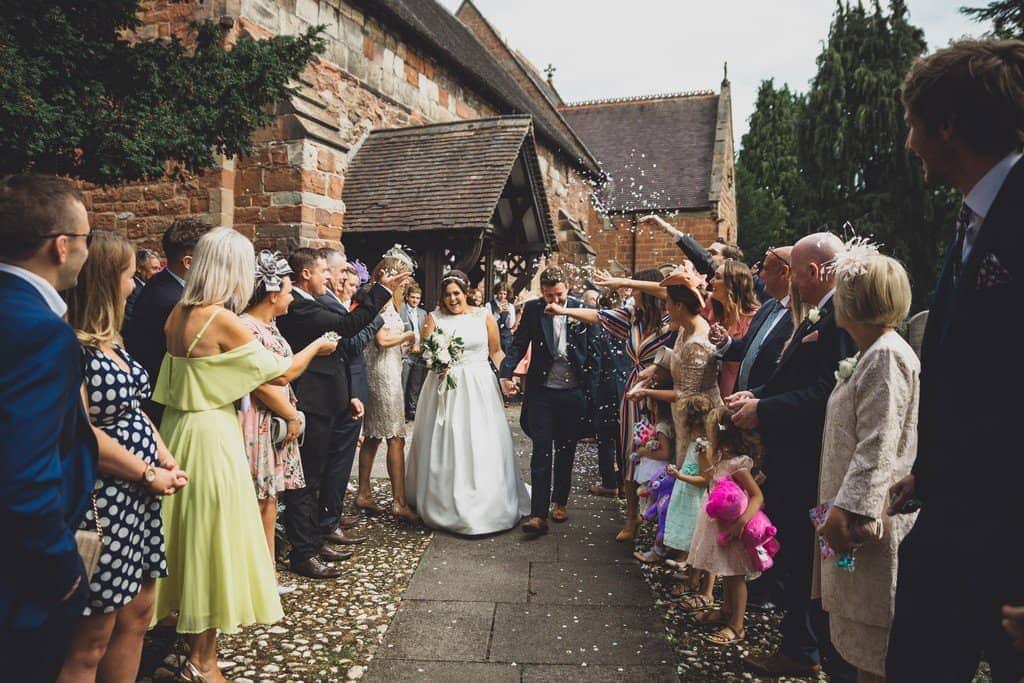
[(90, 542), (279, 429)]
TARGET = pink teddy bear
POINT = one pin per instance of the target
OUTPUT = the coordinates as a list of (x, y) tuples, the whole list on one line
[(726, 503)]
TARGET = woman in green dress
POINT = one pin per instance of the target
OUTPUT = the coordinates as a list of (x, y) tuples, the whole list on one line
[(220, 573)]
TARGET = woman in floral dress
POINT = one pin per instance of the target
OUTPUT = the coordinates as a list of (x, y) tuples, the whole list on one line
[(274, 467)]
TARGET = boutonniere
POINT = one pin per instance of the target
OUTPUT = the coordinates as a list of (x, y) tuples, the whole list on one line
[(846, 368), (814, 315)]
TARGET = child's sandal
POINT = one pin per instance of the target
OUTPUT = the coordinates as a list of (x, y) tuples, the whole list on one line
[(725, 636), (650, 557), (695, 602)]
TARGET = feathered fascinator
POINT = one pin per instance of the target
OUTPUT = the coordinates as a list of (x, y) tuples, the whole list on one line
[(271, 268), (854, 258), (685, 278), (396, 252), (362, 272)]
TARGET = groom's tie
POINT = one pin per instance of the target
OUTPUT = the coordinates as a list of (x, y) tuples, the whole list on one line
[(558, 323)]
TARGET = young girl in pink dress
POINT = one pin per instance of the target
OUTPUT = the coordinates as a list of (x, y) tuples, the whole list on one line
[(731, 454)]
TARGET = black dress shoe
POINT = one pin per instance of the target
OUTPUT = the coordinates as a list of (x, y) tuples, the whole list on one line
[(338, 537), (331, 555), (314, 569)]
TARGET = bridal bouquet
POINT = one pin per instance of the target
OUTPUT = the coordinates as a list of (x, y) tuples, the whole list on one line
[(440, 353)]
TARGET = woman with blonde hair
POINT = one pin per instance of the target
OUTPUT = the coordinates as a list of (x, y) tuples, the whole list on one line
[(136, 471), (221, 574), (385, 409), (870, 442), (732, 305)]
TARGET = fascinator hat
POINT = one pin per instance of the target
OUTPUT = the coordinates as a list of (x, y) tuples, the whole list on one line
[(398, 254), (271, 268), (688, 279)]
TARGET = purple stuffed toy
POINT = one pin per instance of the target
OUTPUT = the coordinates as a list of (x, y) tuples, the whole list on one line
[(726, 503), (660, 491)]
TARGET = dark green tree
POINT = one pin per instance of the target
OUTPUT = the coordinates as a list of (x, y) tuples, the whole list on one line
[(78, 98), (852, 141), (769, 186), (1007, 17)]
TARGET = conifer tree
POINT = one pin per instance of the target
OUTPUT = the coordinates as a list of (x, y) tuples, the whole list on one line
[(1007, 17), (80, 97), (768, 182)]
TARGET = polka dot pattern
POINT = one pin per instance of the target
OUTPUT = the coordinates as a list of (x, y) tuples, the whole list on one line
[(133, 537)]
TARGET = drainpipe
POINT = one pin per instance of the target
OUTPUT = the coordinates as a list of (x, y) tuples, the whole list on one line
[(633, 226)]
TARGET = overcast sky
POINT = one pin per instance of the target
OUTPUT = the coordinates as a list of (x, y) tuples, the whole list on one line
[(606, 48)]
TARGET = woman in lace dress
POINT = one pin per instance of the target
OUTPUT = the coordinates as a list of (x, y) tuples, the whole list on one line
[(870, 442), (385, 409)]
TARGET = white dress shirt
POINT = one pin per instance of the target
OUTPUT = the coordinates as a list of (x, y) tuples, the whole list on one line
[(981, 197), (42, 285)]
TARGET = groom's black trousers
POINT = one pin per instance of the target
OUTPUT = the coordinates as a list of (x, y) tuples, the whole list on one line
[(554, 417)]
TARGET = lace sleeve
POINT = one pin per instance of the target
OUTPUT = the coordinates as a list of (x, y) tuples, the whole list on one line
[(691, 369)]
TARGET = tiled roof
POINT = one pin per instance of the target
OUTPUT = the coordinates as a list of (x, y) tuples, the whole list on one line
[(657, 151), (437, 177), (451, 41)]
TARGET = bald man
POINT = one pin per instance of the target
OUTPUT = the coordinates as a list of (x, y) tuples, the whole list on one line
[(789, 411)]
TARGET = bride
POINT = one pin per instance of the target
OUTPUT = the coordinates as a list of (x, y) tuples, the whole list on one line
[(461, 473)]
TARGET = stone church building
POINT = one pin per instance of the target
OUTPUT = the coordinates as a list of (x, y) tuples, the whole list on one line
[(424, 127)]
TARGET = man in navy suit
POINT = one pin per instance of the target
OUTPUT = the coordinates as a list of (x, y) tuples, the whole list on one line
[(144, 333), (963, 107), (555, 403), (759, 350), (342, 284), (47, 449), (789, 412)]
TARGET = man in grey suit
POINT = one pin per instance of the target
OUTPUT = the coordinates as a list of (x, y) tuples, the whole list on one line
[(413, 369)]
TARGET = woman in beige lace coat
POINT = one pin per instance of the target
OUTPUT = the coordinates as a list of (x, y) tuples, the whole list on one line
[(870, 442)]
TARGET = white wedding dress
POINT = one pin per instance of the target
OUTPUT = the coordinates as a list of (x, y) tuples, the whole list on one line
[(460, 472)]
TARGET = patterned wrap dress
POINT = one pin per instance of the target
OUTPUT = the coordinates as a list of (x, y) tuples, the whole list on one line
[(273, 469), (641, 346)]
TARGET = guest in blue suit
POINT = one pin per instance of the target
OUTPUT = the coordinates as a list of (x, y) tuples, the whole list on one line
[(144, 331), (47, 449)]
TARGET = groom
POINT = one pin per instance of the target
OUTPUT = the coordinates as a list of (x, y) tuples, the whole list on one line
[(555, 402)]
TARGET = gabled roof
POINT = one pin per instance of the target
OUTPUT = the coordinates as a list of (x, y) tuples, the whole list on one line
[(517, 65), (658, 151), (446, 176), (450, 41)]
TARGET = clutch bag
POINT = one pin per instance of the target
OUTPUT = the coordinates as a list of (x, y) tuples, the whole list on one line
[(90, 542)]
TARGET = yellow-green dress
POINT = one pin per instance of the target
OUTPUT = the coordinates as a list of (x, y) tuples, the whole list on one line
[(220, 573)]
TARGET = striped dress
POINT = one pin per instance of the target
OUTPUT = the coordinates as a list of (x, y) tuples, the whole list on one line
[(641, 347)]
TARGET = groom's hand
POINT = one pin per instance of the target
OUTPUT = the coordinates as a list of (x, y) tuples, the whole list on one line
[(508, 388)]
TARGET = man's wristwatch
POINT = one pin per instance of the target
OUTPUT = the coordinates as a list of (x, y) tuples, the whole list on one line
[(149, 476)]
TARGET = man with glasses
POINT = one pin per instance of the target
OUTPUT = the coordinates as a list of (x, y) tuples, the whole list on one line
[(47, 449)]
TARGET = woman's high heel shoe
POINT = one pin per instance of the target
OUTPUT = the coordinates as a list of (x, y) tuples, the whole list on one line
[(190, 673)]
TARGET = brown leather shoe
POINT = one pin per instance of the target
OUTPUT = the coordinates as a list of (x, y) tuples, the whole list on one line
[(778, 664), (349, 521), (339, 537), (558, 513), (598, 490), (329, 554), (535, 526), (315, 569)]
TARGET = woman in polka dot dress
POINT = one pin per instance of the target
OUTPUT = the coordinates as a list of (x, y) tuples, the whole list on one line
[(135, 467)]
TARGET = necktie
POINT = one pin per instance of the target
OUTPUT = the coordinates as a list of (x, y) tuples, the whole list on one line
[(963, 219), (755, 347)]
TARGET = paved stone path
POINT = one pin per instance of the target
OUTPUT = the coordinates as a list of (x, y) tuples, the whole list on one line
[(565, 606)]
